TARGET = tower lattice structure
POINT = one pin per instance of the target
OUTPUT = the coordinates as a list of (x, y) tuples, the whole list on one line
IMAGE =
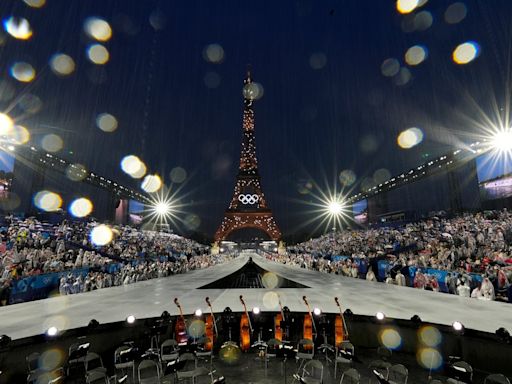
[(248, 207)]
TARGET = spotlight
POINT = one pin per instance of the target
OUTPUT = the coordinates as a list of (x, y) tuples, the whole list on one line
[(52, 331), (198, 312), (317, 311), (4, 340), (416, 319), (130, 319), (502, 141), (348, 313), (93, 324), (457, 326), (256, 310), (335, 207), (380, 316), (162, 208)]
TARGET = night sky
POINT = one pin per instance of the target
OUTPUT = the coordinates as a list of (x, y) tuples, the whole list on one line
[(327, 107)]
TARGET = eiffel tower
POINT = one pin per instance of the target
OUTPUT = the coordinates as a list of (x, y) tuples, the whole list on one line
[(248, 207)]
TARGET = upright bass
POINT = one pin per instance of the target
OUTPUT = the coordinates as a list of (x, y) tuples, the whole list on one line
[(340, 327), (211, 325), (180, 329), (309, 328), (245, 328)]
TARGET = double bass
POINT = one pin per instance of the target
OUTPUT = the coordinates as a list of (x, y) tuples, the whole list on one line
[(309, 327), (210, 326), (278, 319), (180, 329), (245, 328), (340, 327)]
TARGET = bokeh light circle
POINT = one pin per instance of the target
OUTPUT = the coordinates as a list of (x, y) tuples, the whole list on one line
[(213, 53), (466, 52), (196, 328), (35, 3), (106, 122), (6, 124), (19, 135), (410, 138), (178, 175), (98, 29), (455, 13), (98, 54), (318, 60), (270, 280), (76, 172), (347, 178), (51, 359), (390, 67), (52, 143), (270, 300), (253, 91), (81, 207), (403, 76), (416, 55), (133, 166), (429, 358), (62, 64), (101, 235), (23, 72), (30, 103), (47, 201), (406, 6), (430, 336), (18, 27), (390, 338), (151, 183)]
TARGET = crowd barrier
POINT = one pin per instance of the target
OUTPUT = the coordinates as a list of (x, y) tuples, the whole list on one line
[(39, 286)]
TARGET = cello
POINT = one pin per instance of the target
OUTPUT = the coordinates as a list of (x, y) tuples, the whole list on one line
[(309, 327), (340, 327), (210, 326), (245, 328), (278, 319), (180, 329)]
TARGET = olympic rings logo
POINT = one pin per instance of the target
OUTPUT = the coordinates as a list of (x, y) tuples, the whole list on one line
[(248, 199)]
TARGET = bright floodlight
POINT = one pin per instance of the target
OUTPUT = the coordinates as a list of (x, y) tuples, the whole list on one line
[(162, 208), (457, 325), (335, 208), (198, 312), (317, 311), (256, 310), (380, 316), (130, 319), (502, 141), (52, 331)]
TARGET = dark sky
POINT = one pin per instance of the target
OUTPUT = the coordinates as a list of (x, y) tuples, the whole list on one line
[(311, 123)]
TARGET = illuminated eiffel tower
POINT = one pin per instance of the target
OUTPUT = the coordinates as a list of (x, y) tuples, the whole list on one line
[(248, 207)]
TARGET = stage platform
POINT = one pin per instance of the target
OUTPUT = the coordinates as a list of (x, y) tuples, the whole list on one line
[(150, 298)]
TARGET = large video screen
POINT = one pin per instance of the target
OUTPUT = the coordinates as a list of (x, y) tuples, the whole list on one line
[(6, 173), (135, 212), (360, 211), (494, 176)]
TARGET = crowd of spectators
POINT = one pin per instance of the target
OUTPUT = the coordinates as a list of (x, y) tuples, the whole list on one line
[(29, 248), (463, 246)]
